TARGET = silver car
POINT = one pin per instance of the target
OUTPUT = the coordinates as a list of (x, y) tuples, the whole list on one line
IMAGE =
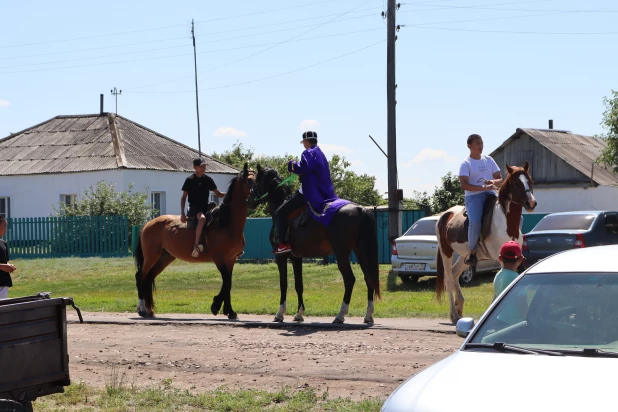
[(549, 342), (414, 254)]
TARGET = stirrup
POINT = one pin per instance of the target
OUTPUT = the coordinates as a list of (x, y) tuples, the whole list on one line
[(471, 260), (199, 248)]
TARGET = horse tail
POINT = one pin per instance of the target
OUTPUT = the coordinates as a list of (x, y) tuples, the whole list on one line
[(368, 243), (440, 278), (138, 254), (443, 247)]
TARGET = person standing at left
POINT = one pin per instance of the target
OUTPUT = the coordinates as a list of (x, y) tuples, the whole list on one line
[(5, 267)]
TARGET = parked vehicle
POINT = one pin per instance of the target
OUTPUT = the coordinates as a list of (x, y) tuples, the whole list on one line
[(34, 360), (557, 232), (554, 328), (414, 254)]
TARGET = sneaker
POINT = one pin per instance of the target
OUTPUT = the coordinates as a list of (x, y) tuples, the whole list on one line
[(471, 260), (283, 248), (197, 250)]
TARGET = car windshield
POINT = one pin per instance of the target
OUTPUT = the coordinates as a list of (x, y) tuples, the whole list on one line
[(557, 310), (422, 228), (565, 222)]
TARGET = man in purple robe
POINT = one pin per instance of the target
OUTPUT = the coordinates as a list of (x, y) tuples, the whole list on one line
[(316, 190)]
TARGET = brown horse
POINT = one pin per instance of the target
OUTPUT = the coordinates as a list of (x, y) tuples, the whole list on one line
[(165, 239)]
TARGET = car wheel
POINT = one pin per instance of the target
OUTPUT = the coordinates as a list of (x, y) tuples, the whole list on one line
[(467, 276), (408, 279)]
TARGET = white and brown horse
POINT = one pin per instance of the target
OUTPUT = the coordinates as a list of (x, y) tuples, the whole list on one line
[(452, 232)]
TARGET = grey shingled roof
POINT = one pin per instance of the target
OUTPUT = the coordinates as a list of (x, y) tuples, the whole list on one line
[(577, 150), (96, 142)]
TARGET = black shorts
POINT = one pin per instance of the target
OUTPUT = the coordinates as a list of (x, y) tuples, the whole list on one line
[(194, 210)]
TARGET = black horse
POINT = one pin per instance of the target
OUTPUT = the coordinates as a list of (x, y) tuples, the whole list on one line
[(352, 229)]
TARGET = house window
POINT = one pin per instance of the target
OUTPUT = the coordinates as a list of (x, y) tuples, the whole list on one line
[(68, 200), (214, 198), (5, 207), (157, 200)]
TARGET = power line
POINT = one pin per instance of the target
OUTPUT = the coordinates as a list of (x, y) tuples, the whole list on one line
[(204, 34), (161, 27), (518, 32), (269, 77), (259, 52), (173, 55)]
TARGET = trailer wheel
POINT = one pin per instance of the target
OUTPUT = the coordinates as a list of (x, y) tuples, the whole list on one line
[(7, 405)]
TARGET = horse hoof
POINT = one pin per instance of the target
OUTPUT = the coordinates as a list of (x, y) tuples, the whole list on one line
[(142, 313), (299, 319), (337, 320), (278, 319), (368, 320), (232, 316), (216, 306)]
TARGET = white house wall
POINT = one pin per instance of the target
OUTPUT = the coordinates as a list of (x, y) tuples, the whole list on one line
[(35, 195), (572, 199)]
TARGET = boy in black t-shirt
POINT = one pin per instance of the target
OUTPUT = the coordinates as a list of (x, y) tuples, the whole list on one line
[(5, 267), (197, 188)]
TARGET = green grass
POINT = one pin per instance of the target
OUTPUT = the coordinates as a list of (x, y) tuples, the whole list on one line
[(164, 397), (108, 285)]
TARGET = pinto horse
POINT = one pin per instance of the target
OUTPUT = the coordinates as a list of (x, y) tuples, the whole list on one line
[(451, 230), (352, 229), (165, 239)]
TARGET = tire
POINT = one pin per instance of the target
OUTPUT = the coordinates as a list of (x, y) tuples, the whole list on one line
[(467, 276), (409, 279), (7, 405)]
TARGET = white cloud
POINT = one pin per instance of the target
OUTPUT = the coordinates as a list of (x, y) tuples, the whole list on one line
[(334, 149), (308, 124), (229, 132), (4, 103), (431, 155)]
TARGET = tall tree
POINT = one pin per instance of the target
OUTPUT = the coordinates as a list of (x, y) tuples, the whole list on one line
[(609, 155)]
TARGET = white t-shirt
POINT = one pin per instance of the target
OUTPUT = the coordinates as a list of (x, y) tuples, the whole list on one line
[(484, 168)]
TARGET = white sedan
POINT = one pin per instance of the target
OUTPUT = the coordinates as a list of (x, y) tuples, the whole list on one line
[(414, 254), (549, 342)]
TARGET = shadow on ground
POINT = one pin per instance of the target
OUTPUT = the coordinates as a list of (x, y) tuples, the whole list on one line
[(428, 283)]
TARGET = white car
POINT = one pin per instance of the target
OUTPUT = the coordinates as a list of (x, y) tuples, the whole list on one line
[(414, 254), (549, 342)]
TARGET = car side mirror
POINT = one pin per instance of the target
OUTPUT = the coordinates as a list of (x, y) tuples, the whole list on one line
[(464, 327)]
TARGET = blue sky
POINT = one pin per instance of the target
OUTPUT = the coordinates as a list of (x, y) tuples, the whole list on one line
[(463, 66)]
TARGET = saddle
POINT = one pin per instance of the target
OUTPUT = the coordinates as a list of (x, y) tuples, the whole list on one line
[(298, 218), (458, 226)]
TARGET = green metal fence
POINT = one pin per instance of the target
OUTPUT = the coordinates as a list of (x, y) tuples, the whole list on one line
[(80, 236)]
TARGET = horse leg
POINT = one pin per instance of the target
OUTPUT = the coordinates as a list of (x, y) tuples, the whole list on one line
[(364, 264), (297, 266), (343, 262), (146, 304), (224, 296), (282, 265), (458, 269), (448, 283)]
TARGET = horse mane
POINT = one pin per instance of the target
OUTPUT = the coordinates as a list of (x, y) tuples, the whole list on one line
[(276, 179), (513, 213), (225, 213)]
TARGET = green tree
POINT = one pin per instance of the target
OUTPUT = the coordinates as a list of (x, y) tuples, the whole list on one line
[(104, 200), (447, 195), (347, 184), (609, 155)]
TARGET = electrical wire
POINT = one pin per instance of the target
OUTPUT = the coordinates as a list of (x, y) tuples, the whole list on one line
[(162, 27), (520, 32), (253, 54), (169, 56), (268, 77)]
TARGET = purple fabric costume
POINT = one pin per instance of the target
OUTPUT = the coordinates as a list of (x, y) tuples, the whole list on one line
[(322, 202)]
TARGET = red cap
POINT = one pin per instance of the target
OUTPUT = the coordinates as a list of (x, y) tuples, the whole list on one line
[(511, 250)]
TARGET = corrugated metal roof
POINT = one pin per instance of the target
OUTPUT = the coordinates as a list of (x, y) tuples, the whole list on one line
[(577, 150), (84, 143)]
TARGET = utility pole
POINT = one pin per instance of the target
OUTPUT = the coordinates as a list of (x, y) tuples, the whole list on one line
[(394, 216), (115, 93), (197, 102)]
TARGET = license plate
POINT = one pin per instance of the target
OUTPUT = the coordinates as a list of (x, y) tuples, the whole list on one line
[(415, 266)]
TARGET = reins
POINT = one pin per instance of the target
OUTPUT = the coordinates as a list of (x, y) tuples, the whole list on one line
[(286, 180)]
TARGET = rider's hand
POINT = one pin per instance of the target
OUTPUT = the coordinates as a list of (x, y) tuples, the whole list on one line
[(183, 218), (490, 186)]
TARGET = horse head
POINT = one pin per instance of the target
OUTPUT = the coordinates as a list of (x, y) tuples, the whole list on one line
[(267, 180), (517, 187), (242, 183)]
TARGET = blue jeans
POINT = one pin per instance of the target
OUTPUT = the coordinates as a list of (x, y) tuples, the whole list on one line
[(474, 206)]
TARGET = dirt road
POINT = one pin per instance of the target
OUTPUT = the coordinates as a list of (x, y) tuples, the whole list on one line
[(352, 361)]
